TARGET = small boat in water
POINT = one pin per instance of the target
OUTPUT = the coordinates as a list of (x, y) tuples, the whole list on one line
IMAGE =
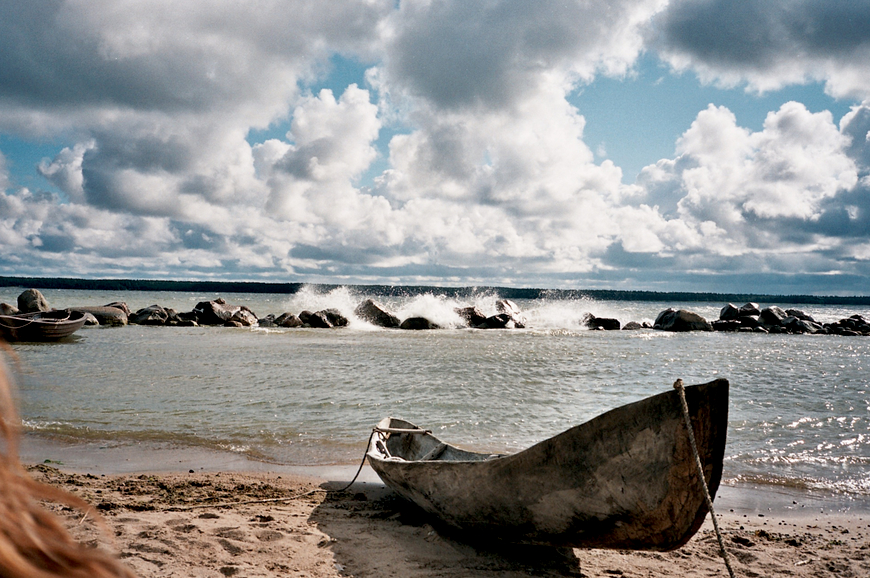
[(626, 479), (41, 326)]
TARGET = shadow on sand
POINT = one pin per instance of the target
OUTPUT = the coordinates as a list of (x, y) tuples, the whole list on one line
[(374, 533)]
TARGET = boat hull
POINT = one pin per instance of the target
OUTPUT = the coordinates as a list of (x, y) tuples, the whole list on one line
[(625, 480), (43, 326)]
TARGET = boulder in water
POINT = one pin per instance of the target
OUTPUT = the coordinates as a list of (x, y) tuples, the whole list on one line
[(107, 315), (218, 312), (373, 312), (508, 307), (151, 315), (472, 315), (288, 320), (418, 323), (318, 320), (592, 322), (336, 319), (772, 316), (729, 313), (32, 301), (6, 309), (749, 309), (681, 320)]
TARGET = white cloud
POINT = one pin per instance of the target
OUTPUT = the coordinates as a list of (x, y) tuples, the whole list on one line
[(65, 171), (741, 192), (488, 177)]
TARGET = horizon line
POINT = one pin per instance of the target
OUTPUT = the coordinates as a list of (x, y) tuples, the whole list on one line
[(290, 287)]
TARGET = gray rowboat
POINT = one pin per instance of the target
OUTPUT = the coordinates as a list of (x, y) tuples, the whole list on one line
[(624, 480)]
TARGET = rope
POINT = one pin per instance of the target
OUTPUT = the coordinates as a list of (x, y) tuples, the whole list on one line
[(361, 464), (245, 502), (34, 318), (14, 325), (678, 385), (380, 430)]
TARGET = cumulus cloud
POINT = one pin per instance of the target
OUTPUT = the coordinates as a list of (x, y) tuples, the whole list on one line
[(460, 54), (770, 44), (486, 177), (785, 199), (311, 178)]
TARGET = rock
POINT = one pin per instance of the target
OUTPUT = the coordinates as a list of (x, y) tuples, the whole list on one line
[(106, 315), (288, 320), (187, 319), (749, 309), (771, 316), (151, 315), (861, 325), (90, 319), (416, 323), (472, 315), (244, 317), (729, 313), (268, 321), (796, 325), (750, 321), (500, 321), (727, 325), (120, 305), (634, 326), (218, 312), (592, 322), (799, 314), (336, 319), (851, 326), (6, 309), (681, 320), (318, 320), (510, 308), (373, 312), (31, 301)]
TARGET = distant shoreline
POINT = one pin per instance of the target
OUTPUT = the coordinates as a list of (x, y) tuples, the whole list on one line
[(409, 290)]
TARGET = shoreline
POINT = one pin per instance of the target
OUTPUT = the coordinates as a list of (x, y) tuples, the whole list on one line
[(106, 458), (265, 524), (201, 513)]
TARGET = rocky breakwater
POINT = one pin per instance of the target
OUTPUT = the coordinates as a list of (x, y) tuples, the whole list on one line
[(219, 312), (751, 318), (746, 318)]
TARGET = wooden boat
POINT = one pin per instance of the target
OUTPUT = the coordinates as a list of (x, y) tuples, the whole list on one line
[(41, 326), (624, 480)]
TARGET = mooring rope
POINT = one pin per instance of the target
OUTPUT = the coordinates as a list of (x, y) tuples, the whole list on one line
[(678, 385), (379, 430), (361, 464)]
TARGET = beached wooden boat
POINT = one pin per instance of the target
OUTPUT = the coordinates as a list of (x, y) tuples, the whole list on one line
[(41, 326), (626, 479)]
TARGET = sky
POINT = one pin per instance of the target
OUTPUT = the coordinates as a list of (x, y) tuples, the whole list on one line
[(683, 145)]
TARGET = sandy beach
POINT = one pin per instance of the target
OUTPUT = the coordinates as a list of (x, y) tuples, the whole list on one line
[(274, 523)]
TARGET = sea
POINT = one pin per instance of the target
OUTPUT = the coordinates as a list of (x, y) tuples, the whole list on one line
[(798, 416)]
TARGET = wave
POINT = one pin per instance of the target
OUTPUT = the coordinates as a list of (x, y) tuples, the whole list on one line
[(544, 313)]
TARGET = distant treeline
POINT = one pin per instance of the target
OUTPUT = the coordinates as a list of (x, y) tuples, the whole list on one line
[(409, 290)]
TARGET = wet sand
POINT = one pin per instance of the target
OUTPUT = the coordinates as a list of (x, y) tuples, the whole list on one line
[(252, 519)]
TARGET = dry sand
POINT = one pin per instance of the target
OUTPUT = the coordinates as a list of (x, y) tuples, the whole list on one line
[(279, 524)]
